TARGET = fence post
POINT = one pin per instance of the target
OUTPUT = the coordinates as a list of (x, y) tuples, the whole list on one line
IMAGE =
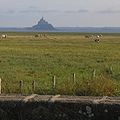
[(0, 86), (74, 78), (111, 70), (21, 86), (33, 86), (94, 73), (54, 82)]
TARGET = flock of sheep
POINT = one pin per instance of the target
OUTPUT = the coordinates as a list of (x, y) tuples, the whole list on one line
[(96, 38), (41, 35)]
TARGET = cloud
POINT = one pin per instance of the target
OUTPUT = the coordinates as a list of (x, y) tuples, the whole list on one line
[(32, 7), (78, 11), (83, 11), (10, 11), (109, 11), (38, 11)]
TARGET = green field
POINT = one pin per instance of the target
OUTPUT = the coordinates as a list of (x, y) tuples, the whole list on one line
[(24, 57)]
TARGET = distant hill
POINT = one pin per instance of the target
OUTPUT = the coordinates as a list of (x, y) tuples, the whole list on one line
[(43, 25)]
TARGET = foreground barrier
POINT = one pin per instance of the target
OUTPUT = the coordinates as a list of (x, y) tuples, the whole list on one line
[(36, 107)]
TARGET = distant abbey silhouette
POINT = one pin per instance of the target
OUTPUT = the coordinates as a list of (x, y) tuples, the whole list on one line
[(43, 25)]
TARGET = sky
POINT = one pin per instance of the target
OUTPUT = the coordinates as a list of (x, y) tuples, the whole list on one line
[(60, 13)]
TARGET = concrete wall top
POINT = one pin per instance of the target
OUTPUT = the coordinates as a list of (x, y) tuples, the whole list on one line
[(61, 99)]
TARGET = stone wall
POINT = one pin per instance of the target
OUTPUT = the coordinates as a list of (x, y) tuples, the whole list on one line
[(36, 107)]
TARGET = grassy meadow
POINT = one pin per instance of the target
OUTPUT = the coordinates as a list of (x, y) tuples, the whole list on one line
[(25, 57)]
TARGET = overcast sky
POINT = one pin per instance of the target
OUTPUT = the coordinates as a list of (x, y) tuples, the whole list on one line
[(72, 13)]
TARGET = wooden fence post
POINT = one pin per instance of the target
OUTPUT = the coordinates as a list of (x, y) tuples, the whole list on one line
[(111, 70), (74, 77), (0, 86), (21, 86), (94, 73), (54, 82), (33, 86)]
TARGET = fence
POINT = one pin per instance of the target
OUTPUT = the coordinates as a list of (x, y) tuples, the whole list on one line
[(67, 87), (33, 84)]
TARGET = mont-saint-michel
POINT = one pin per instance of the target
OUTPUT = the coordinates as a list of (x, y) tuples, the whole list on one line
[(43, 25)]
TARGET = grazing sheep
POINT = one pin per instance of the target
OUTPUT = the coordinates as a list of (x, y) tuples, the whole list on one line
[(97, 38), (36, 35), (4, 36), (87, 36)]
